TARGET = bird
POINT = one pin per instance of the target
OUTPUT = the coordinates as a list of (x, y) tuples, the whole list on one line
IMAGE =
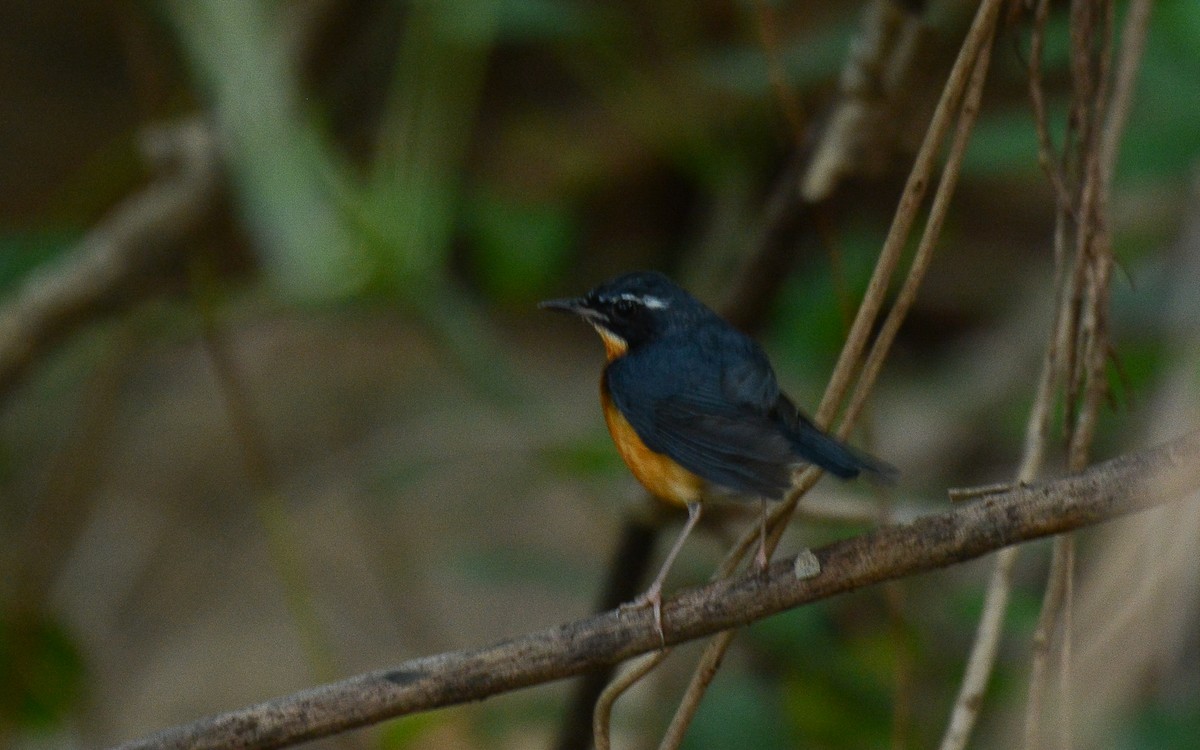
[(695, 409)]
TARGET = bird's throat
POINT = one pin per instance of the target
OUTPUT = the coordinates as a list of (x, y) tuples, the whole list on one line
[(614, 346)]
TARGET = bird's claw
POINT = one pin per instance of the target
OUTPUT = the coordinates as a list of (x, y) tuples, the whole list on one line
[(652, 599), (761, 559)]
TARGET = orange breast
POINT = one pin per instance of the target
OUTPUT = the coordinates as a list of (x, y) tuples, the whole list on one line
[(658, 473)]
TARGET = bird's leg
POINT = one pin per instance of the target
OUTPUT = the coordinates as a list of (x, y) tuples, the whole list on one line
[(761, 558), (653, 595)]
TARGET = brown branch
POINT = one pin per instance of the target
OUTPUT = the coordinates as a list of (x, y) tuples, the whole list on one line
[(1123, 485), (101, 274)]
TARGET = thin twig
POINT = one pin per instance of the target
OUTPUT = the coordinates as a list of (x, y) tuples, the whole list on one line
[(924, 253), (1123, 485), (1065, 670), (929, 237), (1046, 154), (911, 198), (626, 576), (1052, 605), (615, 689), (982, 657), (702, 675), (963, 494), (1133, 44), (983, 653)]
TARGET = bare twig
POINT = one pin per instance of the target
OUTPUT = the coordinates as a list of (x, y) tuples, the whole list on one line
[(1080, 333), (915, 188), (962, 494), (102, 273), (626, 576), (1067, 616), (1046, 154), (929, 237), (1133, 44), (702, 675), (987, 636), (616, 689), (983, 653), (982, 658), (1052, 607), (1123, 485)]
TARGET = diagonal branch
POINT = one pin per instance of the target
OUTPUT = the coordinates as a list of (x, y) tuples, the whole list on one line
[(101, 274), (1123, 485)]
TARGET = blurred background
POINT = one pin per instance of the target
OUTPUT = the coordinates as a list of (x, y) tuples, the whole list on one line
[(276, 405)]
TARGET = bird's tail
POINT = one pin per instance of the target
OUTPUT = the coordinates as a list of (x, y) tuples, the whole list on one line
[(836, 457), (843, 461)]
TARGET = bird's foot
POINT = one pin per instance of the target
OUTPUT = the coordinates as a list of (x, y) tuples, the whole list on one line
[(652, 598), (761, 559)]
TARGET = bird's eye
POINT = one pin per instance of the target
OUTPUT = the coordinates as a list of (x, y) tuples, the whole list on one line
[(624, 306)]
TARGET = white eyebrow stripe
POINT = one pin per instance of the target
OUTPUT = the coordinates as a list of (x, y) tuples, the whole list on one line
[(652, 302)]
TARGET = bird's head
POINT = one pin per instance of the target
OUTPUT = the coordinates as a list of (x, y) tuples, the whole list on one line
[(632, 309)]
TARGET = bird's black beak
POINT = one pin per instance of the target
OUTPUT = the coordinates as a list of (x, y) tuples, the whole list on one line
[(575, 305)]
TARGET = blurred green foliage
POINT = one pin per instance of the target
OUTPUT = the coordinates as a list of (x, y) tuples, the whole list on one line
[(21, 252), (41, 673), (518, 250), (1172, 723), (1163, 142), (815, 310), (409, 731)]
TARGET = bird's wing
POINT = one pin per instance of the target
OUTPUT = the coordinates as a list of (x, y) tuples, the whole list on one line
[(725, 418), (749, 381), (711, 424), (733, 451)]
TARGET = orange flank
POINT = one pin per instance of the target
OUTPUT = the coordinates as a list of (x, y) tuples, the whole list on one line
[(665, 479)]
